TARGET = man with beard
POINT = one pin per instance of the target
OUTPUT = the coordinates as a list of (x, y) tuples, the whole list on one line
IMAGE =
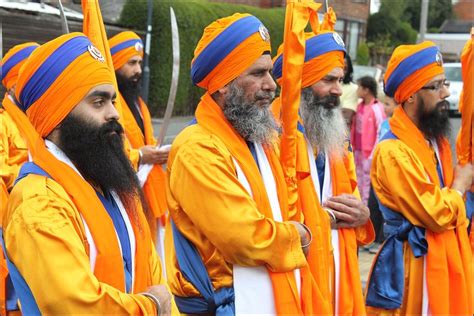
[(230, 246), (74, 231), (127, 53), (426, 258), (327, 175)]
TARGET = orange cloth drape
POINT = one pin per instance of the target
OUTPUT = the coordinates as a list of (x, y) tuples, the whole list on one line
[(154, 187), (298, 14)]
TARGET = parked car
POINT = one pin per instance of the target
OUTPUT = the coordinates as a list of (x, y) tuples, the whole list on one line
[(454, 76)]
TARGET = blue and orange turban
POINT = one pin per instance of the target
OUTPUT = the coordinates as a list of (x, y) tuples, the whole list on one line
[(124, 46), (56, 77), (324, 52), (12, 62), (227, 48), (410, 68)]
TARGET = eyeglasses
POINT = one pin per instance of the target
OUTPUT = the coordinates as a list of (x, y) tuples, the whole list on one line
[(437, 85)]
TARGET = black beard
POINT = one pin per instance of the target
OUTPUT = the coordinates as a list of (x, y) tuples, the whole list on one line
[(129, 89), (98, 153), (434, 124)]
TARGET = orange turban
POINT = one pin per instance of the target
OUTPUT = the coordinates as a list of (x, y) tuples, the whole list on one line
[(124, 46), (324, 52), (12, 62), (227, 48), (56, 77), (410, 68)]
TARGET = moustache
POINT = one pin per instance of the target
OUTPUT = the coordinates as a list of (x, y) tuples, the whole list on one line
[(264, 95), (110, 128), (442, 105)]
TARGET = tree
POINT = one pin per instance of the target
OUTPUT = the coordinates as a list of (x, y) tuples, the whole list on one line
[(438, 12)]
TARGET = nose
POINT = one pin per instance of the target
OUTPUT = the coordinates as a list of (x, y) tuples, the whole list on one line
[(111, 112), (336, 89), (268, 83), (444, 92)]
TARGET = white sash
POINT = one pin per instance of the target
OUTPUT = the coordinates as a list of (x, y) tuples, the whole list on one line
[(61, 156), (327, 193), (252, 285)]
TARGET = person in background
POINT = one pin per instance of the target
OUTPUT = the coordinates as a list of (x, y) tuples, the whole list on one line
[(369, 116)]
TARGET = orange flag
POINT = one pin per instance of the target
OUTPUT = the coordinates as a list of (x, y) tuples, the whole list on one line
[(298, 14), (94, 28), (464, 148)]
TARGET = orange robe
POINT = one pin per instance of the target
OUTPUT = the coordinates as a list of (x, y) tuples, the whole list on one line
[(405, 180), (154, 187), (214, 211)]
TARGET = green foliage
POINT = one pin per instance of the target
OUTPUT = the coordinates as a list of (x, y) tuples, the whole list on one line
[(363, 54), (192, 18), (438, 12)]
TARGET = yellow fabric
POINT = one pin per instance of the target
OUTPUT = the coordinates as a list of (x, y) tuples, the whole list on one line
[(401, 180), (121, 57), (9, 80), (43, 222), (418, 78), (154, 187), (201, 165), (242, 57), (13, 149)]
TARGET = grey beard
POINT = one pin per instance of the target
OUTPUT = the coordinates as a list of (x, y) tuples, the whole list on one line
[(253, 122), (325, 127)]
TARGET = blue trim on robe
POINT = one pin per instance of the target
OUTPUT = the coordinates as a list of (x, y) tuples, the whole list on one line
[(122, 232), (387, 280), (469, 209), (220, 302), (321, 167), (20, 289)]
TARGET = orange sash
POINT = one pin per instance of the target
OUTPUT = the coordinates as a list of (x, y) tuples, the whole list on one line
[(109, 263), (444, 267), (287, 300), (154, 187), (351, 300)]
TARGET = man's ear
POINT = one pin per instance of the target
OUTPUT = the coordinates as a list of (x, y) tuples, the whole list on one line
[(411, 99)]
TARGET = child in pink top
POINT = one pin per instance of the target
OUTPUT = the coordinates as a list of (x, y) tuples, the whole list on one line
[(368, 118)]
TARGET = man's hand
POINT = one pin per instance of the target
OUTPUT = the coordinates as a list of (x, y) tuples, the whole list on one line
[(153, 156), (350, 212), (163, 295), (305, 237), (463, 176)]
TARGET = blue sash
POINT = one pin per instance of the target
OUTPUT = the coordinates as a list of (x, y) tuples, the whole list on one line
[(220, 302), (386, 284)]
